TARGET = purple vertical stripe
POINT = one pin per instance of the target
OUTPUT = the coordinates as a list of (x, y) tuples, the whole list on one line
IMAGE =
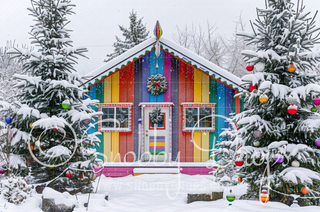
[(145, 75), (167, 74)]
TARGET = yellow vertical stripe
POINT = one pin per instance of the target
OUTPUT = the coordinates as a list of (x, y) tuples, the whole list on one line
[(205, 146), (107, 135), (107, 146), (196, 147), (197, 86), (115, 78), (205, 99)]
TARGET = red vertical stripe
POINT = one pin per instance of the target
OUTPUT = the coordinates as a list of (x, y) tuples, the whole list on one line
[(182, 98), (238, 104), (123, 98), (130, 135), (189, 97)]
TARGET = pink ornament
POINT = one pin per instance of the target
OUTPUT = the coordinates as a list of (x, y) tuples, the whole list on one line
[(316, 101), (318, 142), (292, 109)]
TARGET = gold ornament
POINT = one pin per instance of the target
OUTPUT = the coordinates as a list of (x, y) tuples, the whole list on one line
[(263, 98), (292, 68)]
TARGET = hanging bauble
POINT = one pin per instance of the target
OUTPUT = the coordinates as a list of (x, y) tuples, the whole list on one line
[(316, 101), (264, 196), (37, 143), (295, 163), (314, 109), (8, 120), (251, 87), (292, 109), (92, 176), (256, 143), (30, 125), (55, 129), (318, 142), (239, 161), (230, 197), (278, 158), (1, 171), (69, 174), (249, 67), (157, 84), (239, 179), (295, 204), (305, 190), (259, 66), (292, 68), (263, 98), (65, 104), (257, 134), (31, 147), (86, 122)]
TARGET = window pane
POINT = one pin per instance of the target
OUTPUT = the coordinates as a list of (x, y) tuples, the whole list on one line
[(122, 117), (191, 116), (205, 117), (108, 118)]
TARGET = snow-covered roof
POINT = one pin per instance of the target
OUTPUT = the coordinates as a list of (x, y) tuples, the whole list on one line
[(172, 48)]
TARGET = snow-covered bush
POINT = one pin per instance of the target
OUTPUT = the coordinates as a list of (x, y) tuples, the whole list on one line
[(15, 189)]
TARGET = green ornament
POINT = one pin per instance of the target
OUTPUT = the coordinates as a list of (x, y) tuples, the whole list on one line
[(231, 197), (314, 109), (65, 104)]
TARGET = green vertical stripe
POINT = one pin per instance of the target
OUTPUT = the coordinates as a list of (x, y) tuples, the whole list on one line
[(100, 97), (241, 104), (213, 98)]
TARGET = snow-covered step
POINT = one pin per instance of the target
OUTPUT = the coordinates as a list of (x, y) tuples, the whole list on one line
[(139, 171)]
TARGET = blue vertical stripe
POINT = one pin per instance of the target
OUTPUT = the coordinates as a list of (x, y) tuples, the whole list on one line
[(221, 108), (229, 105)]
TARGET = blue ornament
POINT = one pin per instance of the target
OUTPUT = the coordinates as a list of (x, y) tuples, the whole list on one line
[(93, 147), (8, 120)]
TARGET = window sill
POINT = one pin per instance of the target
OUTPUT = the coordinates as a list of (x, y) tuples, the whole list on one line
[(114, 130)]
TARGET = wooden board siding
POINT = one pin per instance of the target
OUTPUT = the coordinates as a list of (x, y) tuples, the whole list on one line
[(115, 99), (182, 98), (197, 96), (153, 71), (145, 75), (238, 104), (100, 97), (205, 86), (175, 110), (213, 96), (189, 98), (160, 70), (229, 98), (107, 135), (221, 107), (137, 99), (131, 94), (167, 74), (123, 98)]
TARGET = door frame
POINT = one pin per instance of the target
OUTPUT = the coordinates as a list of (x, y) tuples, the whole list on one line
[(144, 105)]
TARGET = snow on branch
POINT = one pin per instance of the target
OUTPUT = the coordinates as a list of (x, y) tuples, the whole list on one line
[(292, 174), (50, 122)]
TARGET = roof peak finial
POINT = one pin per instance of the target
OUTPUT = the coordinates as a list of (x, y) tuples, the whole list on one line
[(157, 30)]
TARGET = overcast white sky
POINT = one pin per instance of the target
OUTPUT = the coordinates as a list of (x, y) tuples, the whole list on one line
[(95, 23)]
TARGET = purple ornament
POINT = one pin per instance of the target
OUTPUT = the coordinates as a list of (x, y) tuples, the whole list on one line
[(8, 119), (278, 158), (1, 171), (318, 142), (316, 101)]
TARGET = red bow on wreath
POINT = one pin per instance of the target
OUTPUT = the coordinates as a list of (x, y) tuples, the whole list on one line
[(157, 84)]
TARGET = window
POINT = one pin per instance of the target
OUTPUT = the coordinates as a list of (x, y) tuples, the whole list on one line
[(198, 117), (116, 117)]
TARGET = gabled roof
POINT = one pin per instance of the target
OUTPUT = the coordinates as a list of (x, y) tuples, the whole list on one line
[(174, 49)]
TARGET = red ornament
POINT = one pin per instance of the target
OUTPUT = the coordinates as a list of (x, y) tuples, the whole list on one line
[(292, 109), (305, 190), (249, 67), (251, 87), (69, 174), (239, 161), (56, 129)]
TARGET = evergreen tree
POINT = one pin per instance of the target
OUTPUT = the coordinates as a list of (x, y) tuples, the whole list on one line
[(285, 36), (135, 34), (44, 131)]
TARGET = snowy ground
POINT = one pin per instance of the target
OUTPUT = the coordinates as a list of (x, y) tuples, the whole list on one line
[(156, 193)]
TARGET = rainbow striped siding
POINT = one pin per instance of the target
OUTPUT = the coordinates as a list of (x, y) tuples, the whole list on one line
[(186, 84)]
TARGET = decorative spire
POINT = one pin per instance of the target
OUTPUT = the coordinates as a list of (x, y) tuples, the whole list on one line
[(157, 30)]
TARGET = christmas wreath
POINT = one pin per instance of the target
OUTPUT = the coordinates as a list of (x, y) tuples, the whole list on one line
[(156, 116), (157, 84)]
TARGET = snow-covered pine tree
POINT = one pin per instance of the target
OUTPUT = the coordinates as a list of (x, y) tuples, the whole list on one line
[(135, 34), (285, 36), (57, 135)]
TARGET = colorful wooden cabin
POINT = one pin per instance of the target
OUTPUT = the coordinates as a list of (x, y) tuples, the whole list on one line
[(186, 91)]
